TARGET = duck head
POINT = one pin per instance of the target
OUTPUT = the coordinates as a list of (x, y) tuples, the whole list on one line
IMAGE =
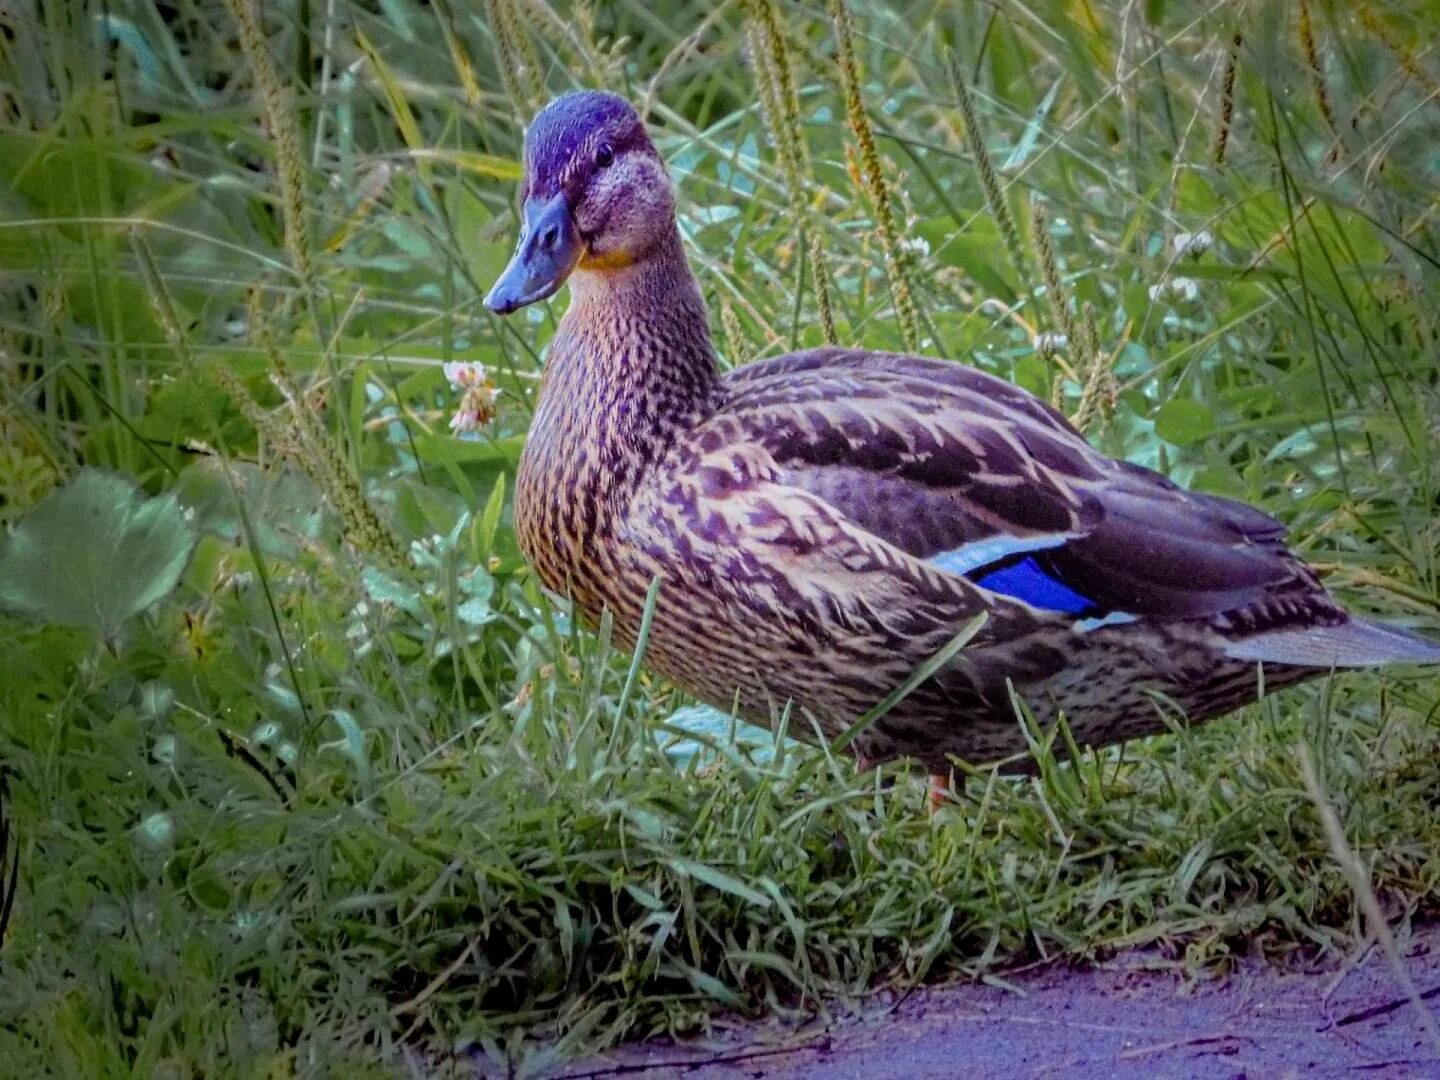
[(594, 196)]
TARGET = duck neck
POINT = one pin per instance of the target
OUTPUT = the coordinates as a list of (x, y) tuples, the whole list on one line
[(632, 354), (629, 371)]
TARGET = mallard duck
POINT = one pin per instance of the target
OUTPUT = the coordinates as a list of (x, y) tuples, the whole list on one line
[(823, 523)]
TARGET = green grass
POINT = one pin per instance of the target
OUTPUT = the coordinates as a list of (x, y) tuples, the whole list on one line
[(312, 809)]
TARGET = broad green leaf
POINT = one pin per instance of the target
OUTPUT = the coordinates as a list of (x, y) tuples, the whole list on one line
[(282, 505), (1034, 372), (384, 589), (95, 553), (476, 612), (1182, 421), (423, 510)]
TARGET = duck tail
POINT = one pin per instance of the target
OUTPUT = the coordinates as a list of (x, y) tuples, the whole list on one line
[(1354, 643)]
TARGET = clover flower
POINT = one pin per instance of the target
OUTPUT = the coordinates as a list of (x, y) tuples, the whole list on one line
[(477, 396), (1193, 244), (1049, 342), (1183, 289)]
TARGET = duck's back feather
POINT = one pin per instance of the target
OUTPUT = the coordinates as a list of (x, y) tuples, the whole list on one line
[(953, 466)]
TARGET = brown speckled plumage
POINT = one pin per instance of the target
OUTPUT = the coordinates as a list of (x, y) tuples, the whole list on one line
[(801, 511)]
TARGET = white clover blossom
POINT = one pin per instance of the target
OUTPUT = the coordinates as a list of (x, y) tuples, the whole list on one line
[(1183, 289), (1051, 341), (463, 374), (464, 421), (477, 399), (476, 409), (1193, 244)]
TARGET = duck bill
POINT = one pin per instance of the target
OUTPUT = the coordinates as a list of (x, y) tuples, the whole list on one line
[(549, 248)]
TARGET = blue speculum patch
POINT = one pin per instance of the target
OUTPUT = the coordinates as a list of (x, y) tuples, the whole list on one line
[(1026, 580)]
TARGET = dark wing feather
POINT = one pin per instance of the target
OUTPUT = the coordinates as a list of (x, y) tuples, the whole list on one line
[(933, 456), (1157, 549)]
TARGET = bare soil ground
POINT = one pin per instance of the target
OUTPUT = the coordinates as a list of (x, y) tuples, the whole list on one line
[(1129, 1017)]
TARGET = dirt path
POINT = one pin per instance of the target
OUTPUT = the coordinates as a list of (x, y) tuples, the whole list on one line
[(1119, 1019)]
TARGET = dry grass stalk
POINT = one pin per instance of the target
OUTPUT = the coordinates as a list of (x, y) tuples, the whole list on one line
[(160, 298), (1227, 102), (787, 98), (464, 70), (736, 350), (873, 176), (1317, 73), (780, 106), (265, 423), (1402, 53), (514, 57), (310, 444), (989, 180), (822, 290), (285, 130), (1097, 395), (767, 83), (1055, 294)]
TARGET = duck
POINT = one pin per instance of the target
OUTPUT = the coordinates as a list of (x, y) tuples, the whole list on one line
[(821, 525)]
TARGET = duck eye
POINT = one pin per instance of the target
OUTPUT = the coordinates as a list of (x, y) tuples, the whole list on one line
[(604, 156)]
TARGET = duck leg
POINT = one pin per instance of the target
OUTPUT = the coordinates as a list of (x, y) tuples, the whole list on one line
[(940, 789), (939, 786)]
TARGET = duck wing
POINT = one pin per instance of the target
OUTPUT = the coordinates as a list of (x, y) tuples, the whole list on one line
[(983, 480), (768, 585)]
